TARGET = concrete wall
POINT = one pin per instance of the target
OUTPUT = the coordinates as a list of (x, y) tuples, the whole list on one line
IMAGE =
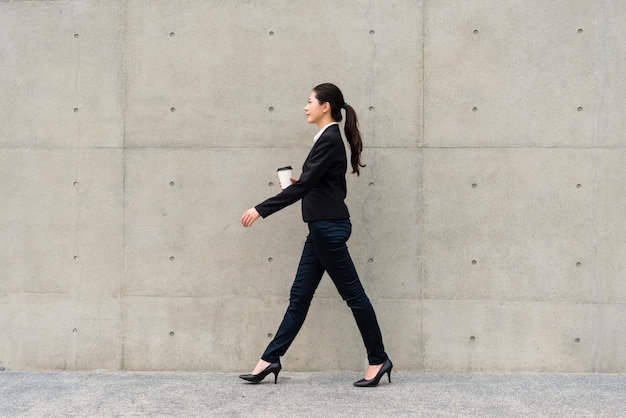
[(488, 223)]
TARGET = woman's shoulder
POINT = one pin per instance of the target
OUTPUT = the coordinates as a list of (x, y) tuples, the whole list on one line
[(331, 132), (333, 129)]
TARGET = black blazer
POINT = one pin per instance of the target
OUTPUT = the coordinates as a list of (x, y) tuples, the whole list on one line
[(322, 185)]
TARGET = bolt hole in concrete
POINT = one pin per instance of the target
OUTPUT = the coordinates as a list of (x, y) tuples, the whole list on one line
[(474, 262), (580, 109), (472, 338), (270, 259), (76, 36), (172, 258), (172, 334), (172, 109), (580, 31), (75, 330), (372, 32), (271, 108), (474, 185), (271, 33), (372, 108), (474, 109), (578, 186), (75, 110), (370, 260), (172, 34), (75, 257), (172, 183), (270, 335), (271, 183), (475, 31)]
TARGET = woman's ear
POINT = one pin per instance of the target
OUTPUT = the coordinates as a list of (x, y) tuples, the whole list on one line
[(326, 107)]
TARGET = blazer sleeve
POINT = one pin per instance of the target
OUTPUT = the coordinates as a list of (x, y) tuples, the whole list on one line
[(316, 165)]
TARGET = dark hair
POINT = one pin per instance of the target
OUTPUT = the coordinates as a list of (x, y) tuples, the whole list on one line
[(330, 93)]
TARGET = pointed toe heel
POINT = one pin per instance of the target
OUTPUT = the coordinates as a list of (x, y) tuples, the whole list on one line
[(384, 369), (256, 378)]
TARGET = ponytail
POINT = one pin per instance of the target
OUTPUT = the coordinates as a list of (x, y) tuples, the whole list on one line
[(353, 135), (330, 93)]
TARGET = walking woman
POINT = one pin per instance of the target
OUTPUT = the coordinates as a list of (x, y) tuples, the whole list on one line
[(322, 189)]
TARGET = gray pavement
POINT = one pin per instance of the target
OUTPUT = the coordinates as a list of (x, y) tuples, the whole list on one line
[(324, 394)]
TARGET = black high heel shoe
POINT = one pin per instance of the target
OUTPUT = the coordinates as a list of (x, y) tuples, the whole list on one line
[(256, 378), (385, 368)]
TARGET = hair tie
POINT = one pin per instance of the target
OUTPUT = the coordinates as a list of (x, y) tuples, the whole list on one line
[(345, 105)]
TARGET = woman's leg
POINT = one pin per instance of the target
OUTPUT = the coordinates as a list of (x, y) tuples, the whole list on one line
[(329, 240), (307, 279)]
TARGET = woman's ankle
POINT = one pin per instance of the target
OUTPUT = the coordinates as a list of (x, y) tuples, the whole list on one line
[(260, 366)]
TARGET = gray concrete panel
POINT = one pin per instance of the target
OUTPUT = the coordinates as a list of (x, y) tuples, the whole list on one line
[(529, 73), (62, 67), (62, 332), (468, 335), (475, 336)]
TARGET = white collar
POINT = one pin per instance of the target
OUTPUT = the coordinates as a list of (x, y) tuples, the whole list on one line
[(316, 137)]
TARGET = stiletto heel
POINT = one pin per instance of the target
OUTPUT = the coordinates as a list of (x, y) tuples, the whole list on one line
[(256, 378), (384, 369)]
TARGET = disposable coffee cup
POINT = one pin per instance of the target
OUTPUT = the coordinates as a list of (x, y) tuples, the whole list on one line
[(284, 175)]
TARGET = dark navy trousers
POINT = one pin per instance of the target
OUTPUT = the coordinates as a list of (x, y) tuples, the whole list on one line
[(325, 250)]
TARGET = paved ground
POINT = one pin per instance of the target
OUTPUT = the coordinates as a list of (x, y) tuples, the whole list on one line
[(328, 394)]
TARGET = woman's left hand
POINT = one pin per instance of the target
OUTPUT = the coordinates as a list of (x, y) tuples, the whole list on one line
[(249, 216)]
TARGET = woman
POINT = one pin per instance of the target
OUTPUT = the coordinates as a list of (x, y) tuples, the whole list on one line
[(322, 188)]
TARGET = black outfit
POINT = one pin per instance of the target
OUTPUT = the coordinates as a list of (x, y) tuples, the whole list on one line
[(322, 185), (322, 188)]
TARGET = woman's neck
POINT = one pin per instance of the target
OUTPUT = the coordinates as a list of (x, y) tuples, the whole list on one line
[(325, 121)]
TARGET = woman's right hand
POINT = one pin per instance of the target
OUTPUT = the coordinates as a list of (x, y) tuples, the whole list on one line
[(293, 180)]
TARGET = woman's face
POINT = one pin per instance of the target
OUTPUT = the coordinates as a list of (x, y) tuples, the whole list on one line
[(314, 110)]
